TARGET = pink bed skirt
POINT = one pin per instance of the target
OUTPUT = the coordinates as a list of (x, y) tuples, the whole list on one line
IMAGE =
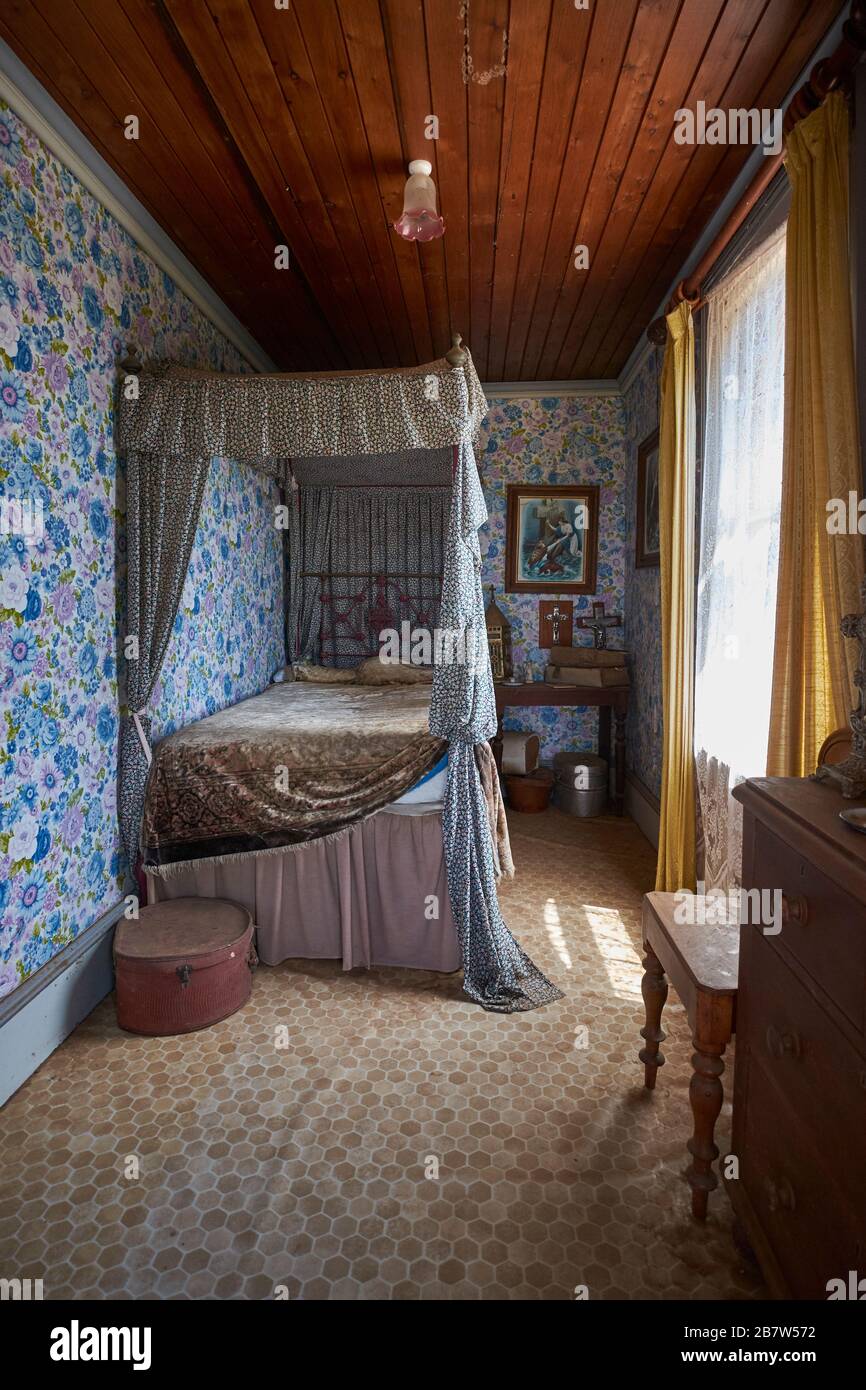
[(364, 897)]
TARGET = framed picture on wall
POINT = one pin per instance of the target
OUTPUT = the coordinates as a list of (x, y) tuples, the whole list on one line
[(551, 539), (647, 541)]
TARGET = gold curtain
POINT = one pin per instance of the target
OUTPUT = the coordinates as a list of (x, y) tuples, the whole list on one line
[(676, 861), (819, 573)]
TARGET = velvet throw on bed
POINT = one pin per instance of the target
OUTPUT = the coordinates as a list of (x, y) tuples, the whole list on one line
[(182, 415), (213, 791)]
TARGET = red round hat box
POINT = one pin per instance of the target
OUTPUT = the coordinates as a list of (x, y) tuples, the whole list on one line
[(182, 965)]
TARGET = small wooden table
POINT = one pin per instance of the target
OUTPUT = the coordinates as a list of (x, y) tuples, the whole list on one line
[(701, 963), (607, 697)]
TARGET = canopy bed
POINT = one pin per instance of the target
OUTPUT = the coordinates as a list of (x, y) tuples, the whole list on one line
[(383, 506)]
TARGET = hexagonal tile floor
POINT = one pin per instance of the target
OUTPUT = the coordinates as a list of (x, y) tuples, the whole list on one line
[(373, 1135)]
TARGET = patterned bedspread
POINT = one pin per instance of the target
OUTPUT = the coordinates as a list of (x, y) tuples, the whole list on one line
[(295, 763)]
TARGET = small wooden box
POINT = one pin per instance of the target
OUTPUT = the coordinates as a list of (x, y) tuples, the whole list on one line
[(184, 964)]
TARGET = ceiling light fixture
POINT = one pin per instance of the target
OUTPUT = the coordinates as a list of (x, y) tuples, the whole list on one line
[(419, 220), (469, 73)]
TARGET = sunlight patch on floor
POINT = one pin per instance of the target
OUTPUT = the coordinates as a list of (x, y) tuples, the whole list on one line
[(621, 960), (553, 927)]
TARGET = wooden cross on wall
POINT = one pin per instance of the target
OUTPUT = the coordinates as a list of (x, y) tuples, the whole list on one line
[(554, 623), (599, 623)]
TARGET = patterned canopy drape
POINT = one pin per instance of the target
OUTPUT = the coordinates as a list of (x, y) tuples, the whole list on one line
[(163, 501), (310, 537), (187, 415)]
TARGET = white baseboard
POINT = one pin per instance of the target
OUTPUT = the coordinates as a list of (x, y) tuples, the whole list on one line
[(643, 808), (37, 1016)]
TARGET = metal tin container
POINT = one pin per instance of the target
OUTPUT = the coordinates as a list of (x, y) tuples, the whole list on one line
[(581, 770), (590, 802), (581, 787)]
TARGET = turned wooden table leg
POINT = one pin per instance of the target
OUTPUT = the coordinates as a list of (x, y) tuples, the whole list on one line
[(619, 759), (654, 988), (705, 1094), (604, 726)]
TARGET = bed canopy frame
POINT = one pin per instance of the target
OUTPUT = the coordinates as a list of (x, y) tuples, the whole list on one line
[(175, 421)]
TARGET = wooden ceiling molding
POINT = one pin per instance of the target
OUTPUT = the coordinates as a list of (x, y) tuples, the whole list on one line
[(262, 126)]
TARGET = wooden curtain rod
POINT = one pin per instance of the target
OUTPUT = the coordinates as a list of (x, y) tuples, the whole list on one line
[(830, 73), (367, 574), (357, 487), (456, 357)]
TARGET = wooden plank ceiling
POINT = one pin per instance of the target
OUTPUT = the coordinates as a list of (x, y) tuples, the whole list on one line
[(262, 126)]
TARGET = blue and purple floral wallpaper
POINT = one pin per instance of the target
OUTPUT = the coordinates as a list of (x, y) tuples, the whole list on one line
[(228, 634), (568, 439), (643, 596), (75, 294)]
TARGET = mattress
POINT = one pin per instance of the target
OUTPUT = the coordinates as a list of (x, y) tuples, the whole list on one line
[(427, 795), (295, 763)]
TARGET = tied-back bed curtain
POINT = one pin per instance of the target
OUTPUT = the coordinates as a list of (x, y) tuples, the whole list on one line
[(163, 501), (497, 973), (181, 414)]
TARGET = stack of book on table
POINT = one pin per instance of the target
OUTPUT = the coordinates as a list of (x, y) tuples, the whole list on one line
[(586, 666)]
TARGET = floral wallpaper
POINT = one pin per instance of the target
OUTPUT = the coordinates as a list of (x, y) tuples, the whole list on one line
[(567, 439), (75, 294), (642, 610), (228, 634)]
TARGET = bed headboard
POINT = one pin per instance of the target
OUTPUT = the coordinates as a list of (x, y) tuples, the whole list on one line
[(358, 608)]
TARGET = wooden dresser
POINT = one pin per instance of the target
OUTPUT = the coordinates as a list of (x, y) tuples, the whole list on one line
[(799, 1117)]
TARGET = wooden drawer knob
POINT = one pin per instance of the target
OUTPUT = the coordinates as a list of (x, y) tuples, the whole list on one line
[(780, 1195), (785, 1044), (795, 909)]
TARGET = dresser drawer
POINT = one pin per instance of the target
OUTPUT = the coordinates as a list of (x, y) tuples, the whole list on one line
[(814, 1234), (830, 943), (806, 1056)]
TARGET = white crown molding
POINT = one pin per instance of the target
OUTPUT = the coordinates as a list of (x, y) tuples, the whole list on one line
[(38, 110), (531, 390)]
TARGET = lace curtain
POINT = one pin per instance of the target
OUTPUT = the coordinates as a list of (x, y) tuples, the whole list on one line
[(739, 549)]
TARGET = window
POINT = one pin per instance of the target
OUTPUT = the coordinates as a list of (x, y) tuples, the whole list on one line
[(739, 543)]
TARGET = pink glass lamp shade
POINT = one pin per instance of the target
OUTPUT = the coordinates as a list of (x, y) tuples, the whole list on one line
[(420, 220)]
